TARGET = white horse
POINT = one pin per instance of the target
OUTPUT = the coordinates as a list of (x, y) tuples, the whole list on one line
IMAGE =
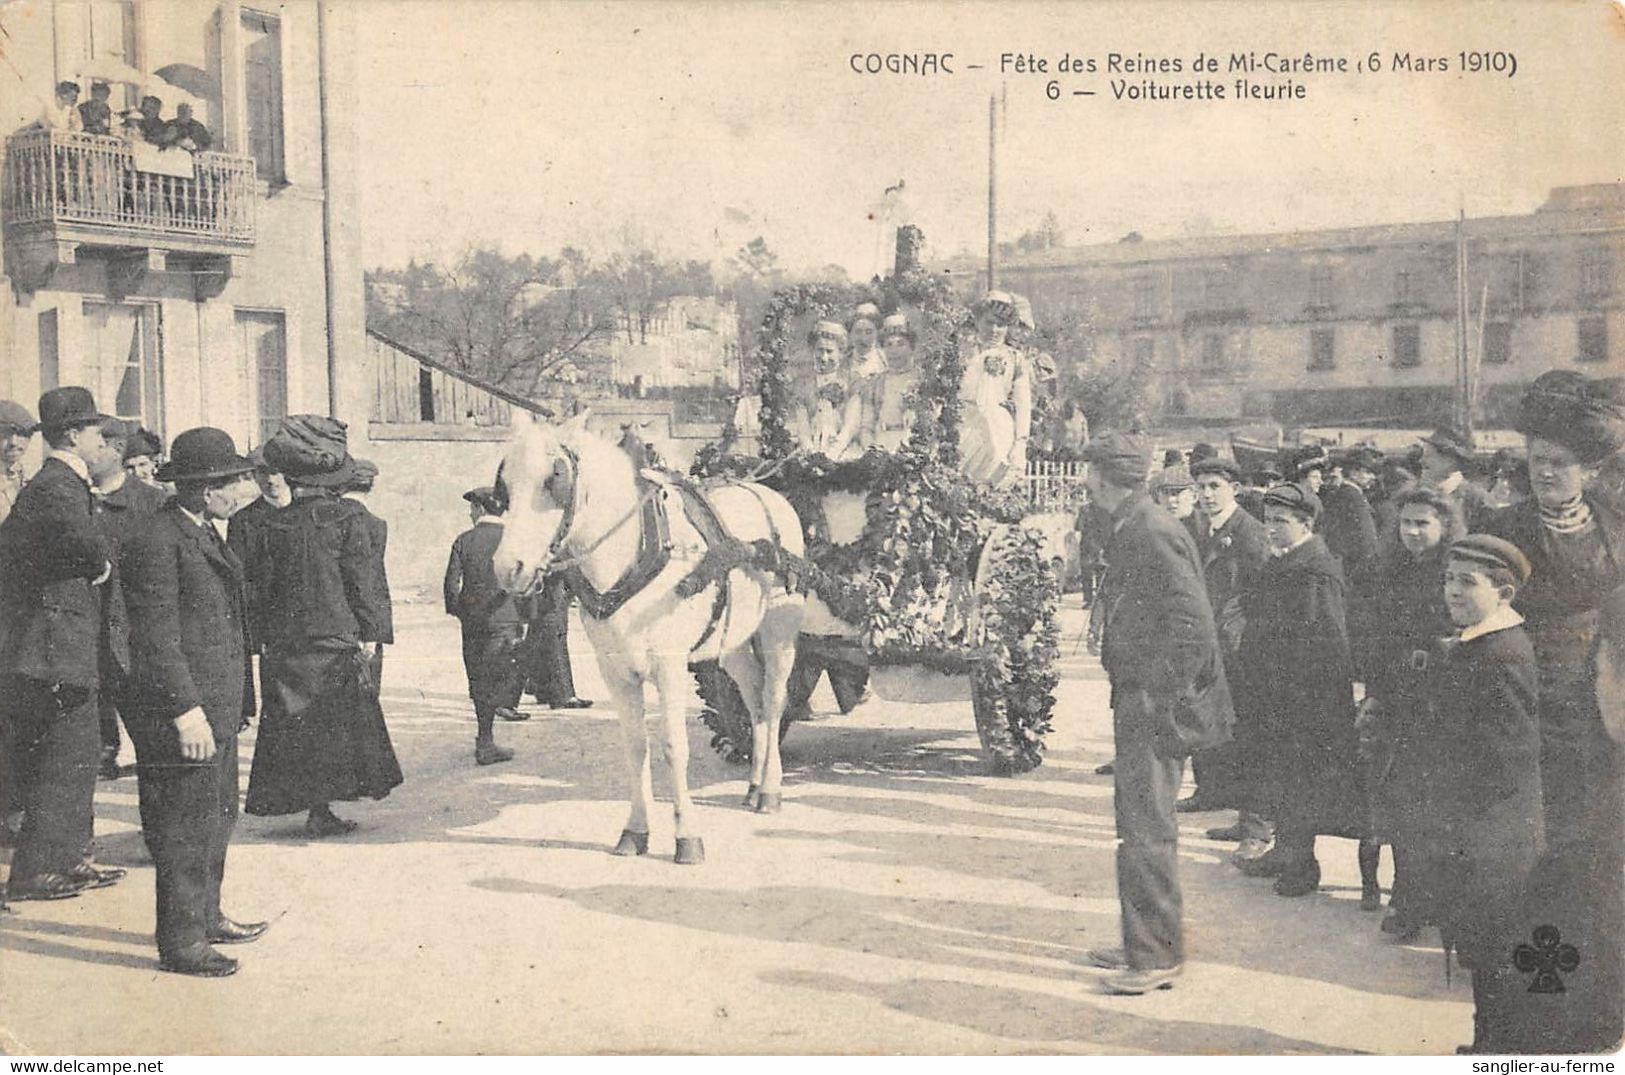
[(575, 503)]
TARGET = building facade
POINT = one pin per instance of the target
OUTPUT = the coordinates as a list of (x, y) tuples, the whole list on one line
[(1344, 327), (220, 287)]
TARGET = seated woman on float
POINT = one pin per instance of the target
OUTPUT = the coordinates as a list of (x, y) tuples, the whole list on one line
[(828, 419), (889, 407), (996, 419)]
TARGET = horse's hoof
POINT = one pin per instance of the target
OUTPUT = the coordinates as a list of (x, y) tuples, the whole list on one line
[(771, 803), (690, 851), (632, 843), (753, 796)]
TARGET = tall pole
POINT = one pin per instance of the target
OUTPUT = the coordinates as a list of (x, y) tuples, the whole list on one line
[(1463, 408), (992, 195)]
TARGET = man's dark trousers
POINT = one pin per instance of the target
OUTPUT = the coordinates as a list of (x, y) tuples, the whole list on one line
[(56, 745), (1147, 837), (188, 811), (492, 660), (551, 680)]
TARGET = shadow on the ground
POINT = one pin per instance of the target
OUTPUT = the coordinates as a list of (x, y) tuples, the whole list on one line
[(1027, 1016)]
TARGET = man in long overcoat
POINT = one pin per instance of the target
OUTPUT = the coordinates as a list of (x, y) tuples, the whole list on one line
[(1160, 649), (53, 564), (185, 700)]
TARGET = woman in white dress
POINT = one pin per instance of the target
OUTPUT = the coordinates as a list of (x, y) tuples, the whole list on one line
[(831, 414), (889, 410), (996, 419)]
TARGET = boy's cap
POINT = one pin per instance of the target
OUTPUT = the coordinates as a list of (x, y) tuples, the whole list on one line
[(1295, 495), (1215, 465), (1491, 551)]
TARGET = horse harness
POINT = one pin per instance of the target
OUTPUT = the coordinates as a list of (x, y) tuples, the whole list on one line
[(723, 551)]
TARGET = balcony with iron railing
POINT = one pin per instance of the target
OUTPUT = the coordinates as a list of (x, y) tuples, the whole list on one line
[(64, 190)]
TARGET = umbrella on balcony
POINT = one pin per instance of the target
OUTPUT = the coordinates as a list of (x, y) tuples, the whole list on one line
[(110, 69), (191, 78)]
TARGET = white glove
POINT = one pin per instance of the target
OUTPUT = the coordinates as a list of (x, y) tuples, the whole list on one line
[(197, 739)]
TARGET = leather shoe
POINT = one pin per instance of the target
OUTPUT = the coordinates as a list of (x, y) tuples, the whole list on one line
[(511, 715), (1271, 863), (331, 825), (1298, 880), (1133, 982), (226, 931), (199, 961), (97, 876), (1249, 850), (1198, 804), (45, 886), (1108, 958), (1105, 770), (573, 703), (1232, 833), (491, 754)]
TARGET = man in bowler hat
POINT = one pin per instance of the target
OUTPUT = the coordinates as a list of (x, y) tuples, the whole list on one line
[(53, 565), (1169, 698), (185, 702), (16, 430)]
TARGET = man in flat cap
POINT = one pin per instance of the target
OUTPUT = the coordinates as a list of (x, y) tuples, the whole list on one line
[(1346, 521), (53, 564), (1169, 698), (1447, 453), (16, 430)]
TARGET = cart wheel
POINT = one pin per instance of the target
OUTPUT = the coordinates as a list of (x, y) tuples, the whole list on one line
[(723, 711)]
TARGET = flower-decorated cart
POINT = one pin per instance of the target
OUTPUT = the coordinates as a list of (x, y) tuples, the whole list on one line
[(923, 583)]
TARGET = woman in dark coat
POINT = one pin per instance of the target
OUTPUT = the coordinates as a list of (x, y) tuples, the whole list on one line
[(1295, 659), (1575, 542), (1402, 618), (319, 615)]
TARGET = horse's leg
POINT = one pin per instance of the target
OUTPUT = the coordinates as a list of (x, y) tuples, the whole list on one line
[(745, 669), (628, 693), (672, 677), (776, 652)]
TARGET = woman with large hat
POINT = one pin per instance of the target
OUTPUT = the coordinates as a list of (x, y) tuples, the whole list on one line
[(319, 617), (1575, 542)]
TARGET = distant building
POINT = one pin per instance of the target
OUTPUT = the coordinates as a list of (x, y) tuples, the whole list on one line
[(1344, 326), (220, 288), (690, 342)]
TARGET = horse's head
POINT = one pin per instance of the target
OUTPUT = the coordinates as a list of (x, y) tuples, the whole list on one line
[(541, 475)]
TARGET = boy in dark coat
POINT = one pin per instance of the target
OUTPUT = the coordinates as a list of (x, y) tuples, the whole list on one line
[(1296, 654), (493, 623), (1402, 616), (1482, 749), (1233, 549), (186, 697)]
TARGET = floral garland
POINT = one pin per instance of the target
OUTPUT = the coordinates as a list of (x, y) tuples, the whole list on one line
[(904, 581)]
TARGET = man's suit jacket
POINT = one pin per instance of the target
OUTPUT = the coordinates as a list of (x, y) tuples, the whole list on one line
[(1159, 635), (1231, 558), (50, 555), (471, 592), (188, 636), (118, 514)]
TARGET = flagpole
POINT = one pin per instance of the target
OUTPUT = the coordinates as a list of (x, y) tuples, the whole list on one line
[(992, 201)]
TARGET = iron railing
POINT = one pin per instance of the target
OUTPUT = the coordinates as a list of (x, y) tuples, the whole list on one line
[(66, 178)]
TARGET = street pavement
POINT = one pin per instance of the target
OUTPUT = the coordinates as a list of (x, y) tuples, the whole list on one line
[(903, 901)]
